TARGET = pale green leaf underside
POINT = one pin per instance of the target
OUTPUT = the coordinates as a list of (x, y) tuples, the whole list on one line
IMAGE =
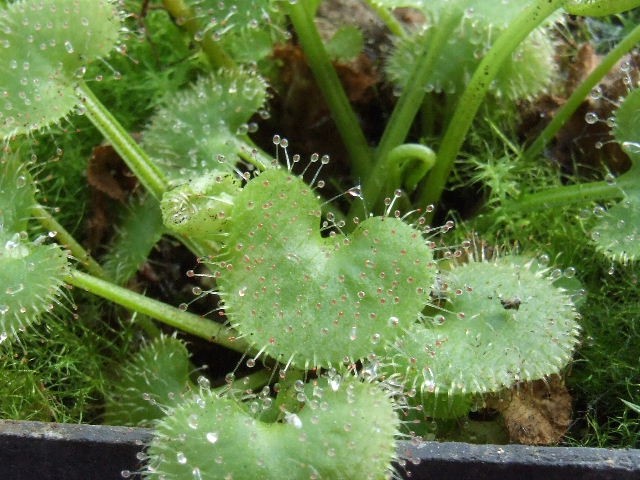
[(617, 233), (197, 129), (246, 29), (44, 48)]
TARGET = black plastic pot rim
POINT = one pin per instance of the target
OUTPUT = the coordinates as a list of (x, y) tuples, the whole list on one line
[(49, 451)]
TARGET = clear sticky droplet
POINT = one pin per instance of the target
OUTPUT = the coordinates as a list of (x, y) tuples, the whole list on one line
[(591, 118)]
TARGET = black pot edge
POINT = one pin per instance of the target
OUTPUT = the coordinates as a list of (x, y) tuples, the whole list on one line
[(49, 451)]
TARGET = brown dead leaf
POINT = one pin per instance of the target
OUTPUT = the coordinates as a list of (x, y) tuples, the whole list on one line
[(108, 173), (112, 181), (535, 413)]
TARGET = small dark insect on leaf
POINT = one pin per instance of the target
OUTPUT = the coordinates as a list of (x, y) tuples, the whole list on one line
[(511, 303), (438, 292)]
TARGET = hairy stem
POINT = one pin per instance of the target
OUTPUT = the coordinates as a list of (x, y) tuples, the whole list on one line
[(329, 83), (66, 239), (559, 196), (135, 158), (475, 92), (187, 322), (580, 93), (572, 194)]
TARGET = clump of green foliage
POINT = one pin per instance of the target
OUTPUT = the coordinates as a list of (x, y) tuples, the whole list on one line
[(351, 300)]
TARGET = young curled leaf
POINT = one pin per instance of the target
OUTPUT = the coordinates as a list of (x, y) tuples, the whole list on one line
[(200, 208)]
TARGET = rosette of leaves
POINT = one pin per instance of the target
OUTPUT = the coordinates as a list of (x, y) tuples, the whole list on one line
[(499, 322), (46, 47), (528, 72), (341, 429), (617, 232), (198, 129), (31, 272), (150, 382)]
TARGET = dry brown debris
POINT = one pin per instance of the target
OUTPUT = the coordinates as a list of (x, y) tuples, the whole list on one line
[(535, 413)]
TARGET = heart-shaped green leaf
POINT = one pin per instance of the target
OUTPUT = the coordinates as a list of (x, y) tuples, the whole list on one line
[(311, 300), (45, 46), (344, 430)]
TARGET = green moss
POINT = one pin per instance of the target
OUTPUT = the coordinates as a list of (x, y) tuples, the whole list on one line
[(56, 372)]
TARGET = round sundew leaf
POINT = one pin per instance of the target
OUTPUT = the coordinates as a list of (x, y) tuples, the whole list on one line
[(313, 300), (31, 278), (44, 48), (157, 375), (346, 433), (502, 323), (196, 129)]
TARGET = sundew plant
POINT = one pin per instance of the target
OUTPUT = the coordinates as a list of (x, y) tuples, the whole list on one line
[(431, 255)]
